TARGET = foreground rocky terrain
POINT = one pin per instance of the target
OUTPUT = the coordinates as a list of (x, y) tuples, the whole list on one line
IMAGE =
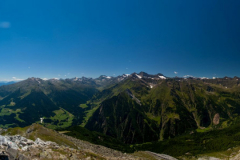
[(18, 147), (26, 145), (64, 147)]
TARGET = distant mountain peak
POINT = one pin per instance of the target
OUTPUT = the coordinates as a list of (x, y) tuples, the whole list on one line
[(33, 79), (148, 76)]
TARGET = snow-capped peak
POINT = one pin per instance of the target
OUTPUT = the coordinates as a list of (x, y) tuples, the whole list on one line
[(162, 77)]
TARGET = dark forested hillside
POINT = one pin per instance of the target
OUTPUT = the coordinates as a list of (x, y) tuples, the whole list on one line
[(123, 118)]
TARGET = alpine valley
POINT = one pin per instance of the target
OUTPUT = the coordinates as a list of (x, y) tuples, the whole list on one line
[(186, 118)]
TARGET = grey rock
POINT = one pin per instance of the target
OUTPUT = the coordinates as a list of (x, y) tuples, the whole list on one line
[(30, 142), (12, 153), (45, 155), (39, 141), (12, 145), (161, 156), (22, 157), (29, 130), (25, 148)]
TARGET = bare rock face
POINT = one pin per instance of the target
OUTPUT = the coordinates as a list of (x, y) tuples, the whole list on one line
[(216, 119), (20, 148)]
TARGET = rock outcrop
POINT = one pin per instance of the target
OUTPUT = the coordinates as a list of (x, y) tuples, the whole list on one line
[(216, 119), (27, 145), (21, 148), (40, 143)]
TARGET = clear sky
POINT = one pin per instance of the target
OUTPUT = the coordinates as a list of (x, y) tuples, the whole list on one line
[(68, 38)]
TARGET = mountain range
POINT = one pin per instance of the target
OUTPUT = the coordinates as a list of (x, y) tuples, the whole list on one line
[(135, 108)]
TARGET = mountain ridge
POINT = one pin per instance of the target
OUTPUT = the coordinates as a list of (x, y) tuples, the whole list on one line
[(175, 105)]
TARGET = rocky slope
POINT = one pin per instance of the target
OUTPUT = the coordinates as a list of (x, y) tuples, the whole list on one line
[(60, 146)]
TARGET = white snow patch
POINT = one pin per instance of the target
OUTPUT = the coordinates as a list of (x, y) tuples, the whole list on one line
[(162, 77), (126, 75), (138, 76), (45, 79), (108, 77), (151, 86), (213, 77)]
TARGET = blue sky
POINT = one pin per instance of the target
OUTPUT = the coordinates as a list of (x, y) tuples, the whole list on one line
[(63, 39)]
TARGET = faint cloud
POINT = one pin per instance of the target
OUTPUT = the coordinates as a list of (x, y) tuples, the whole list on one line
[(5, 24), (126, 68), (175, 72), (29, 67), (16, 79), (65, 75), (59, 75)]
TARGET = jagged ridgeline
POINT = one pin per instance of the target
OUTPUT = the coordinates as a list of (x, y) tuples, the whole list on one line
[(133, 108)]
